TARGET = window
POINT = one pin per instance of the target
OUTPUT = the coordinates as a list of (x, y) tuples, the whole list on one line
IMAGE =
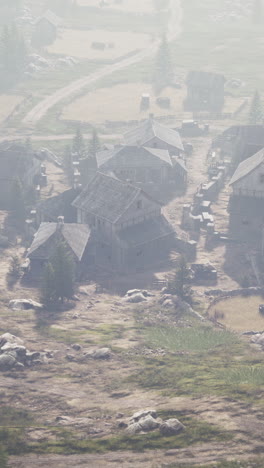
[(139, 204)]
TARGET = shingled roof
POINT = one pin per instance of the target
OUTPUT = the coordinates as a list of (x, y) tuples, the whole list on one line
[(107, 197), (204, 78), (247, 166), (50, 17), (149, 129), (133, 154), (75, 235)]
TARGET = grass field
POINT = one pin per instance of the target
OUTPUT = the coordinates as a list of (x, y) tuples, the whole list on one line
[(240, 313), (8, 102), (122, 102), (139, 6), (71, 42)]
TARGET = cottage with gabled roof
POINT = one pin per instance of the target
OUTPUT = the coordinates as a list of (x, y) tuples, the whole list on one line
[(246, 205), (205, 91), (149, 167), (152, 134), (75, 237), (128, 227), (45, 29)]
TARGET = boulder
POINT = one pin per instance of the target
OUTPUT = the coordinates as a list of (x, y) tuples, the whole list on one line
[(76, 347), (136, 298), (171, 427), (133, 429), (148, 423), (7, 361), (8, 338), (142, 414), (20, 350), (24, 304), (103, 353)]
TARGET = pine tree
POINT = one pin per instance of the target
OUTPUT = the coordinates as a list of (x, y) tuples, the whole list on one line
[(63, 266), (163, 69), (48, 284), (256, 111), (179, 282), (67, 159), (94, 145), (78, 145), (18, 202)]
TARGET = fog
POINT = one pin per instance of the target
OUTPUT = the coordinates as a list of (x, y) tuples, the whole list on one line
[(131, 233)]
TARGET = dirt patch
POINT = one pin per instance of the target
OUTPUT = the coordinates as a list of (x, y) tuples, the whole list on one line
[(240, 313)]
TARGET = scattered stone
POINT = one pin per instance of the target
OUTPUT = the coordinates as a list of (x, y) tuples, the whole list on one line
[(7, 361), (76, 347), (8, 338), (148, 423), (122, 425), (24, 304), (133, 429), (136, 298), (103, 353), (142, 414), (171, 427)]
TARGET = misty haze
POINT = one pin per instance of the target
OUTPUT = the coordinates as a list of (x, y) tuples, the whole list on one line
[(131, 234)]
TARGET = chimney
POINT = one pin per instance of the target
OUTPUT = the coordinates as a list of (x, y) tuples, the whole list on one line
[(60, 222)]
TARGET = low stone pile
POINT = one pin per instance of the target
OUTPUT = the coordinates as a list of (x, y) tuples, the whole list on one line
[(258, 339), (14, 355), (135, 296), (148, 421)]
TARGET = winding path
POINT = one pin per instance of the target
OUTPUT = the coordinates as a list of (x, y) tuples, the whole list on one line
[(38, 112)]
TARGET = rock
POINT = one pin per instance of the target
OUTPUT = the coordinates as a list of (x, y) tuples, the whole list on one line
[(171, 427), (8, 338), (20, 350), (76, 347), (103, 353), (70, 357), (32, 356), (24, 304), (258, 339), (133, 429), (148, 423), (19, 366), (136, 298), (7, 361), (142, 414), (122, 425)]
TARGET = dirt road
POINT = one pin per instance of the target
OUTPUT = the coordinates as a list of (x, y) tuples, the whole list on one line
[(174, 30)]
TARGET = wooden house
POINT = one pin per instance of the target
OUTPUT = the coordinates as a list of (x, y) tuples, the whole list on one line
[(49, 235), (129, 231), (152, 134), (142, 165), (16, 164), (45, 29), (246, 205), (205, 91), (239, 142)]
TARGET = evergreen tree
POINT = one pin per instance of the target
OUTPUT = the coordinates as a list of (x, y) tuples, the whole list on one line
[(163, 69), (67, 159), (18, 203), (94, 146), (63, 266), (179, 284), (48, 284), (256, 111), (78, 145)]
